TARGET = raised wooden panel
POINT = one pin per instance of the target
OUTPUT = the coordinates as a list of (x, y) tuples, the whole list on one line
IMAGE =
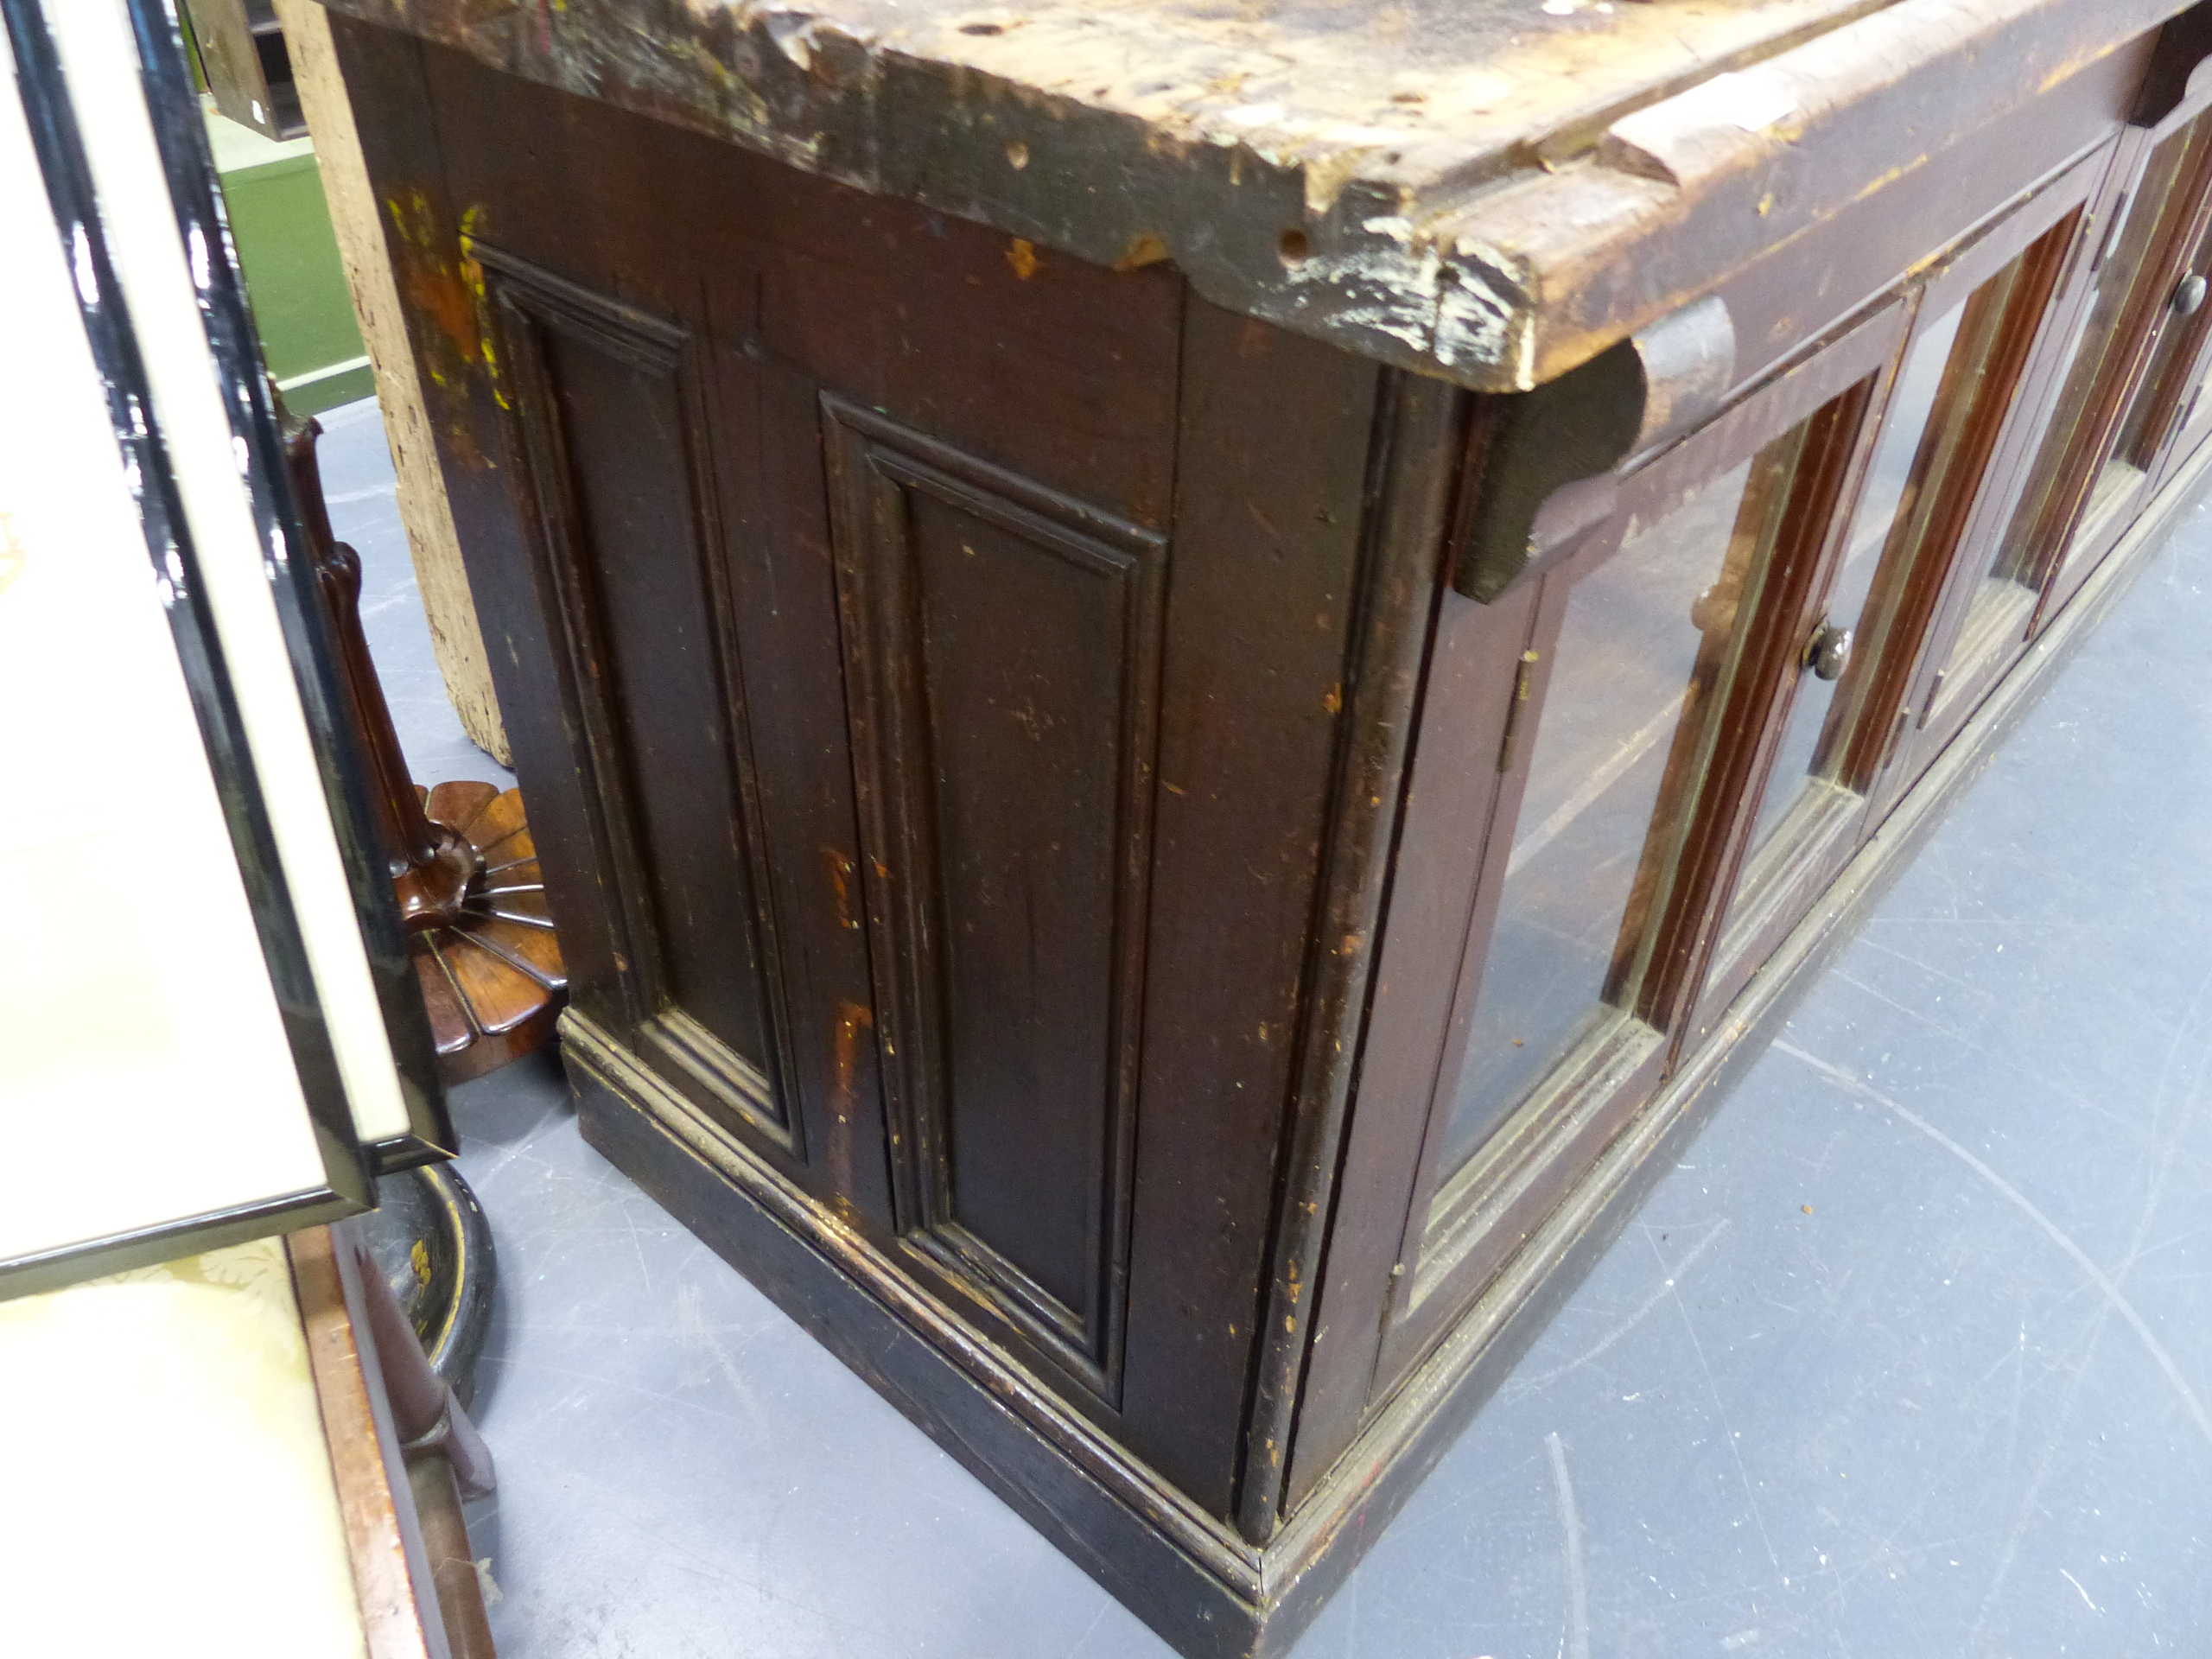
[(612, 429), (1003, 651)]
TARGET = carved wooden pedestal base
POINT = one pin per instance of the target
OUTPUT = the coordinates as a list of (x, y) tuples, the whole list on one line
[(491, 967), (461, 855)]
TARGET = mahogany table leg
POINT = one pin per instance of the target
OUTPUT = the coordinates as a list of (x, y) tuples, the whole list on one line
[(462, 863)]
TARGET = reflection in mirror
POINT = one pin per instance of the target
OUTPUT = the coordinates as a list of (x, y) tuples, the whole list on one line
[(1610, 777)]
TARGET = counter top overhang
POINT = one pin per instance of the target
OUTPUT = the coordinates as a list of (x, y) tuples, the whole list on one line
[(1487, 190)]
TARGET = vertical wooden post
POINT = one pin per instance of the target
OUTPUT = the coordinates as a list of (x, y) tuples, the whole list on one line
[(431, 867), (455, 634)]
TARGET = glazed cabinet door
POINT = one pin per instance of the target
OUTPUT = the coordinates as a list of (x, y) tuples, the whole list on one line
[(1964, 395), (2191, 421), (2117, 404), (1580, 778), (2090, 428), (1635, 769)]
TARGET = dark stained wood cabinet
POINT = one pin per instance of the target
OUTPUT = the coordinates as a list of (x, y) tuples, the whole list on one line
[(1161, 805)]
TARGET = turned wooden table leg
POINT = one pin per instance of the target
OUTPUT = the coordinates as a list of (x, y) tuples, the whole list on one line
[(462, 864)]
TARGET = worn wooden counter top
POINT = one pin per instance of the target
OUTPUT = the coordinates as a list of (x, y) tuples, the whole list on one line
[(1491, 189)]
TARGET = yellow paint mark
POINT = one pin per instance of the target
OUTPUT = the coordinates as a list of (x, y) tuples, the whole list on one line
[(1145, 249), (1334, 702), (1021, 254), (2064, 72), (429, 282)]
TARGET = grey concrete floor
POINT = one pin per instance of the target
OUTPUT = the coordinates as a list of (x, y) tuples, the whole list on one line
[(1909, 1356)]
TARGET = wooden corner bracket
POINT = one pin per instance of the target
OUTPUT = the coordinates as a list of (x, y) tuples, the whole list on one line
[(1542, 464)]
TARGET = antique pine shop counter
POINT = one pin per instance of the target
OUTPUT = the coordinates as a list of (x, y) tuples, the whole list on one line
[(1189, 673)]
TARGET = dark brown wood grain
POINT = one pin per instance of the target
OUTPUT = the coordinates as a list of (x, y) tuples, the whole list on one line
[(1272, 483), (610, 421), (2167, 215), (1836, 442), (1452, 790), (1203, 1589), (1003, 645), (1420, 427), (429, 867), (2177, 53)]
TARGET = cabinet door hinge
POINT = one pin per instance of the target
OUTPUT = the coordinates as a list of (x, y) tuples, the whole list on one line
[(1935, 691), (1522, 672), (1890, 744), (2111, 235)]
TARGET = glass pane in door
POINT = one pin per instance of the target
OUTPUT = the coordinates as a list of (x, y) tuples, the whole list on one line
[(2161, 393), (2002, 321), (2084, 468), (1612, 776), (1896, 473)]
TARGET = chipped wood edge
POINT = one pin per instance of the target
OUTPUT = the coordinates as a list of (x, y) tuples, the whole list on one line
[(456, 636), (1434, 254)]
